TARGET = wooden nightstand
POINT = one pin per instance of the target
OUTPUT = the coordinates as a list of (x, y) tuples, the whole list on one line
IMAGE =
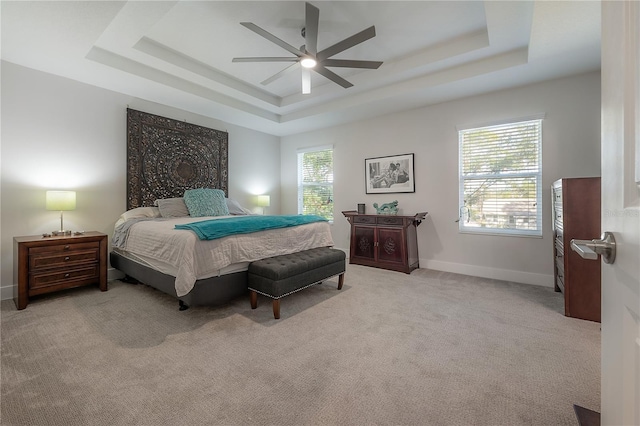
[(47, 264)]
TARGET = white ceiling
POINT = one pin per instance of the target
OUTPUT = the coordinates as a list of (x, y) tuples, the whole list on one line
[(179, 53)]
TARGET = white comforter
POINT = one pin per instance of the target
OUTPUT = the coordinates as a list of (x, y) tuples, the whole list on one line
[(182, 251)]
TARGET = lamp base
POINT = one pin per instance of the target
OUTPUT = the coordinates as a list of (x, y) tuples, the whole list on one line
[(61, 232)]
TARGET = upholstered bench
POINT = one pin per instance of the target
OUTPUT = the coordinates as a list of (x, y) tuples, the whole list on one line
[(280, 276)]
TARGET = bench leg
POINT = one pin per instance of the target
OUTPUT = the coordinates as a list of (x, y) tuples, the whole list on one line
[(340, 281), (253, 298), (276, 308)]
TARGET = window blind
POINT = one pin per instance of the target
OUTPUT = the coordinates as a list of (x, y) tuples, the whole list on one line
[(500, 179), (315, 183)]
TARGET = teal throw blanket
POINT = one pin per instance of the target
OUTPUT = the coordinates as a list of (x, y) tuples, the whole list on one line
[(218, 228)]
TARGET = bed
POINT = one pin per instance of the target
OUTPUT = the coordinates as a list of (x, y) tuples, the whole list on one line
[(166, 160)]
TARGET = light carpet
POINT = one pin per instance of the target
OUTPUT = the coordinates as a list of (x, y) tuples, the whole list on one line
[(430, 348)]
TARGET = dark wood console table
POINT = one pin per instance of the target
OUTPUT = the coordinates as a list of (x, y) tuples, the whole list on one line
[(384, 241)]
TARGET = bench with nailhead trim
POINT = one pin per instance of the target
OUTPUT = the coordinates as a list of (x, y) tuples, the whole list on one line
[(280, 276)]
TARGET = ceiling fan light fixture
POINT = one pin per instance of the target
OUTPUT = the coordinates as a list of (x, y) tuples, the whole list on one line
[(308, 55), (306, 81), (308, 62)]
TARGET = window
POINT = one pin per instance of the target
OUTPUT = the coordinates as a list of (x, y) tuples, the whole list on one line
[(501, 179), (315, 182)]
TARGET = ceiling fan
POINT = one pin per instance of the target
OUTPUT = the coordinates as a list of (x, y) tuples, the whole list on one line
[(308, 56)]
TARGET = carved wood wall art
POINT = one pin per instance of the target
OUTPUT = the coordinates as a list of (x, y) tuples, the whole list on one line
[(165, 157)]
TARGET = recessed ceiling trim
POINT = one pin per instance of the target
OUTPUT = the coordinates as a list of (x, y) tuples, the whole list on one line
[(406, 67), (121, 63), (471, 69), (169, 55)]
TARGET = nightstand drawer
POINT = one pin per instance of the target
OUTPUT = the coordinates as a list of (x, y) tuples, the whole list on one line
[(62, 278), (53, 260), (57, 248)]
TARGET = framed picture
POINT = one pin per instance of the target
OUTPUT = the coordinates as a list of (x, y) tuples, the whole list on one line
[(386, 175)]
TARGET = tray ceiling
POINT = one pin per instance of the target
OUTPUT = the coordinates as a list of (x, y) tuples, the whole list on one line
[(179, 53)]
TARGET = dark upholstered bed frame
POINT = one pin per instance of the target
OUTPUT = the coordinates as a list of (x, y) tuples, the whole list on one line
[(165, 157), (206, 292)]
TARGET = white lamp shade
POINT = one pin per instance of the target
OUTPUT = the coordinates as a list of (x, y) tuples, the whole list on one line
[(61, 200), (264, 200)]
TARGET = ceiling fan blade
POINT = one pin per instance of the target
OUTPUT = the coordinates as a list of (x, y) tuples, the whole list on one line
[(347, 43), (332, 76), (306, 81), (256, 29), (312, 15), (265, 59), (348, 63), (279, 74)]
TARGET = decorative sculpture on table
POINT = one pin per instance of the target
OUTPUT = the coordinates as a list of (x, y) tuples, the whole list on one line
[(387, 208)]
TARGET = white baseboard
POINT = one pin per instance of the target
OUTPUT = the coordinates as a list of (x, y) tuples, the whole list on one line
[(486, 272), (6, 292), (114, 274)]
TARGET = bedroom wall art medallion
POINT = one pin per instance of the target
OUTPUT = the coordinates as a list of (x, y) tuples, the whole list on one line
[(165, 157), (185, 170), (386, 175)]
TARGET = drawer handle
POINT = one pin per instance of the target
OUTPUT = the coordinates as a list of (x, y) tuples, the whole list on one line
[(67, 275), (66, 247), (66, 258)]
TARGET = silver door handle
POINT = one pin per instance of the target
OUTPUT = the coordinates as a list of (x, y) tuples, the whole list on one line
[(590, 249)]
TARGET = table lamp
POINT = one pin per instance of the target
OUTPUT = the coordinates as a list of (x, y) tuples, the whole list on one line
[(264, 201), (61, 201)]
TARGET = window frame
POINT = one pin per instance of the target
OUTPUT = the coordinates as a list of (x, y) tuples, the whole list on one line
[(535, 175), (300, 184)]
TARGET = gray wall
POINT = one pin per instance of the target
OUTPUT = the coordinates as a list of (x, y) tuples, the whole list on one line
[(571, 147), (62, 134), (57, 133)]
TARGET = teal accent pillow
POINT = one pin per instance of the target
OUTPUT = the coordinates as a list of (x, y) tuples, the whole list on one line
[(205, 202)]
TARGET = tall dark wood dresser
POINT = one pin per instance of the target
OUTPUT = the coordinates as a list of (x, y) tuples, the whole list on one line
[(576, 215)]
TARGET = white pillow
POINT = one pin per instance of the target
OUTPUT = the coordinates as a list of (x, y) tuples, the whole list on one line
[(138, 212), (235, 208)]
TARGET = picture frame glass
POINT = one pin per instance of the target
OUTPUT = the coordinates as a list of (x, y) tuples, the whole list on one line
[(392, 174)]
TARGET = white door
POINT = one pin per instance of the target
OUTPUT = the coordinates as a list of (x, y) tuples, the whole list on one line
[(621, 212)]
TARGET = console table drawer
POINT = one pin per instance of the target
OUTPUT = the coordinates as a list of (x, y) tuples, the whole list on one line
[(364, 219), (389, 220)]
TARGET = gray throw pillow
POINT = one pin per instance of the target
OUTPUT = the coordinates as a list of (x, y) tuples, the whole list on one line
[(172, 207)]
